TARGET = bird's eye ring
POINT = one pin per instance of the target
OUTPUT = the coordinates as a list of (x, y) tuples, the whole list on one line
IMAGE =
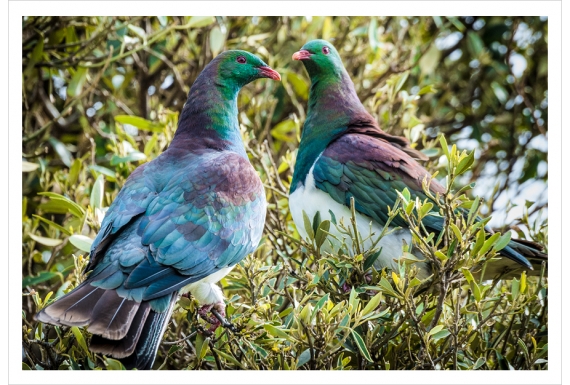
[(326, 50), (241, 59)]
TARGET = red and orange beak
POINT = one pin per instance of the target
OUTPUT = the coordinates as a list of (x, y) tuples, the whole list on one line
[(269, 72), (302, 55)]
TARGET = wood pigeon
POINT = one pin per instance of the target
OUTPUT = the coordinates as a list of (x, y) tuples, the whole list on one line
[(180, 223), (344, 154)]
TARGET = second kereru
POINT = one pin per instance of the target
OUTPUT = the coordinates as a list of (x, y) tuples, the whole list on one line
[(344, 154)]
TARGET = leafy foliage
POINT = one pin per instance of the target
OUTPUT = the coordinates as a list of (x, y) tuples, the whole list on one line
[(102, 96)]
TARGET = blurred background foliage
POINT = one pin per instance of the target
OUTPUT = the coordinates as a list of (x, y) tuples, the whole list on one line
[(101, 95)]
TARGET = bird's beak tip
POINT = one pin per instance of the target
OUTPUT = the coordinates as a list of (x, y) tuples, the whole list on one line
[(301, 55), (270, 73)]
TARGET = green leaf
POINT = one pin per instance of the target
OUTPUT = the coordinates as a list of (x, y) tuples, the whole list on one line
[(137, 31), (488, 243), (429, 89), (42, 277), (97, 193), (401, 81), (66, 203), (133, 156), (113, 364), (77, 81), (444, 146), (319, 305), (38, 51), (316, 221), (322, 231), (456, 231), (426, 208), (29, 166), (308, 226), (480, 362), (500, 92), (82, 242), (139, 122), (474, 43), (46, 241), (53, 224), (200, 21), (371, 259), (503, 241), (387, 287), (476, 291), (74, 172), (217, 40), (372, 34), (430, 60), (111, 176), (304, 357), (80, 340), (406, 194), (149, 146), (456, 23), (163, 20), (440, 334), (285, 131), (276, 332), (465, 163), (361, 345), (468, 275), (515, 286), (479, 242), (62, 151), (229, 357), (523, 282), (372, 304)]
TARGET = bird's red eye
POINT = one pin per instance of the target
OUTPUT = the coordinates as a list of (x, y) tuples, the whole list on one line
[(326, 50), (241, 59)]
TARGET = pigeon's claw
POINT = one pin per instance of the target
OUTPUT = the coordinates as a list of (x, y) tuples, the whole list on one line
[(215, 315)]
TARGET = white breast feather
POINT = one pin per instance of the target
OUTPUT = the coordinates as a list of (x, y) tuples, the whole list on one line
[(310, 199)]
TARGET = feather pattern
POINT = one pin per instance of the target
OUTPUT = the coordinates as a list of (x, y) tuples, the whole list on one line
[(190, 214), (344, 154)]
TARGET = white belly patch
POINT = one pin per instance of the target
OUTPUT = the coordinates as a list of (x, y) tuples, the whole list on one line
[(310, 199), (206, 291)]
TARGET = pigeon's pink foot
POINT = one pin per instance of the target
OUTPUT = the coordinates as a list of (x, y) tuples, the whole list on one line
[(206, 313)]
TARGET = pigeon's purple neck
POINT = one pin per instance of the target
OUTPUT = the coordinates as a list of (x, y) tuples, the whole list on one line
[(209, 116)]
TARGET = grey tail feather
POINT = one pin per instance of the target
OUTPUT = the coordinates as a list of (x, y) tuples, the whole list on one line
[(104, 312), (150, 337), (125, 329)]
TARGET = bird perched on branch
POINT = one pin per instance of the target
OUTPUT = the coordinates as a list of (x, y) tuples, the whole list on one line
[(180, 223), (344, 154)]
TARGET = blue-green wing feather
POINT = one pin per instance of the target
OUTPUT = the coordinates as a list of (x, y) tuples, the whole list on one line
[(371, 170), (207, 214)]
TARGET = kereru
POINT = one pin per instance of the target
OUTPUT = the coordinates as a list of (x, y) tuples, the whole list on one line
[(343, 153), (180, 223)]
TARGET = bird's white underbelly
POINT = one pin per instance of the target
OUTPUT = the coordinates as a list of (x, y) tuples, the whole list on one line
[(205, 290), (310, 199)]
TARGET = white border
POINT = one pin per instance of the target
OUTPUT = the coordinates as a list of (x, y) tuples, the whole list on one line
[(12, 99)]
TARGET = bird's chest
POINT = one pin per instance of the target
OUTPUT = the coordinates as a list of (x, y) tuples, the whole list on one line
[(310, 199)]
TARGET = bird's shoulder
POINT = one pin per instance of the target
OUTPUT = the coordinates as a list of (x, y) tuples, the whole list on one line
[(365, 152)]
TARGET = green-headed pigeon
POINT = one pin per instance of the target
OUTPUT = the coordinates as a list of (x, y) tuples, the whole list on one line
[(180, 223), (344, 154)]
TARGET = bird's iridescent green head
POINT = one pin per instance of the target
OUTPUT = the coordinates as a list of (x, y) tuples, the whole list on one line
[(238, 68), (321, 59)]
